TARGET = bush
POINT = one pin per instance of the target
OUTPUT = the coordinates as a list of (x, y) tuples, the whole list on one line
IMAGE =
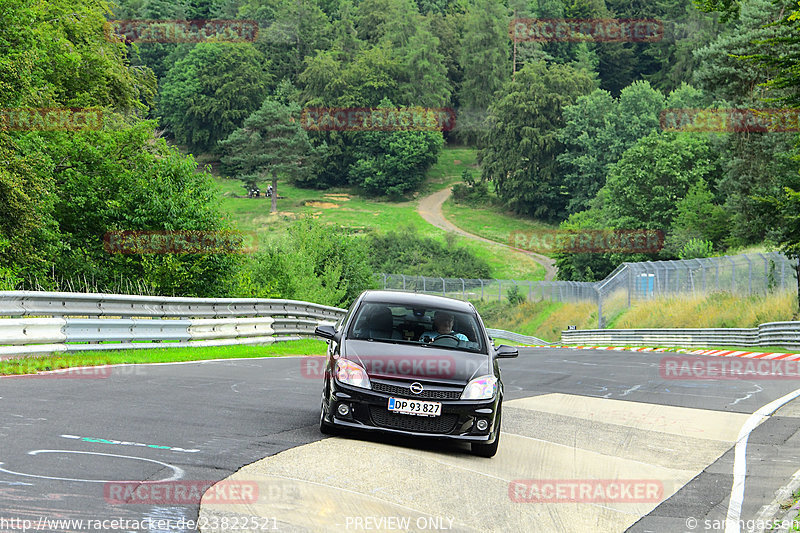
[(314, 262), (470, 192), (696, 248), (406, 252), (514, 296)]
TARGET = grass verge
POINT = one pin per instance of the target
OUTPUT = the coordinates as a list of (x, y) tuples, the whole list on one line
[(546, 319), (31, 365)]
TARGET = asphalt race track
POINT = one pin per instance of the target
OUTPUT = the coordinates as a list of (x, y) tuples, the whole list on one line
[(67, 442)]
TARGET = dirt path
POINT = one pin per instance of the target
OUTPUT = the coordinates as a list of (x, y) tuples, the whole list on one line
[(430, 208)]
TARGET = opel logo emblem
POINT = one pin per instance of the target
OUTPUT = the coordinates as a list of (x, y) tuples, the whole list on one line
[(416, 388)]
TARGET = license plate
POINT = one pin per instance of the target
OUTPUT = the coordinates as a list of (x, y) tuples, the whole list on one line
[(414, 407)]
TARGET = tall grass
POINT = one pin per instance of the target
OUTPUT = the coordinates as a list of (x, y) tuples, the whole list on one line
[(715, 310), (547, 320)]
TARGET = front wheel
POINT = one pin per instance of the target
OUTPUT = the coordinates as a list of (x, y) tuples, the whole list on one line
[(488, 450), (324, 427)]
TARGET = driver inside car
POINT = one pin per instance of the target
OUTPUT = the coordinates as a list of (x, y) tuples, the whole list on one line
[(443, 324)]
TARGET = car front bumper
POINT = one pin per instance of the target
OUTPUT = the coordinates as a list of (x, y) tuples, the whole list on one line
[(369, 411)]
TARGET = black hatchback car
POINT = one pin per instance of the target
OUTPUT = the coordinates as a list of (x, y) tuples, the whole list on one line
[(414, 364)]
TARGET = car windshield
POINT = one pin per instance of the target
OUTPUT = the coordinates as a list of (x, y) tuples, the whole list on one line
[(430, 326)]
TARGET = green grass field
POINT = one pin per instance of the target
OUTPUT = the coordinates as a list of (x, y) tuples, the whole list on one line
[(490, 222), (344, 207), (32, 365)]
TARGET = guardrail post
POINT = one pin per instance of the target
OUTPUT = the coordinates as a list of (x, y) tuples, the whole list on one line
[(424, 288), (404, 281), (599, 309), (444, 292), (783, 274), (703, 267), (733, 274), (749, 275), (630, 281), (766, 272)]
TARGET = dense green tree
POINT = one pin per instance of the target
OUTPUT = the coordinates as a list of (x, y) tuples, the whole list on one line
[(210, 92), (698, 216), (62, 53), (393, 163), (271, 143), (522, 144), (484, 61), (298, 29), (427, 83), (118, 179), (393, 21), (647, 183), (589, 138), (725, 72)]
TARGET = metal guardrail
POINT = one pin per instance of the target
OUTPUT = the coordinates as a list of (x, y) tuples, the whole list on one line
[(785, 334), (516, 337), (95, 305), (116, 321)]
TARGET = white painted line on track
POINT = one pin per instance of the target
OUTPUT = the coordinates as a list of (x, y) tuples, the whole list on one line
[(178, 472), (732, 524)]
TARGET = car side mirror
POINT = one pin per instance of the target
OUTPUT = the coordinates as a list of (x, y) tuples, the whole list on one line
[(326, 332), (506, 352)]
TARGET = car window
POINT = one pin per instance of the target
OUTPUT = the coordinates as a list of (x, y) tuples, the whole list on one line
[(408, 324)]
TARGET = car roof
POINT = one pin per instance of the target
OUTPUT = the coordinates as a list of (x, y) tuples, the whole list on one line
[(417, 299)]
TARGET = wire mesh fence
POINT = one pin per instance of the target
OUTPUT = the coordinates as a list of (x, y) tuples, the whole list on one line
[(740, 274)]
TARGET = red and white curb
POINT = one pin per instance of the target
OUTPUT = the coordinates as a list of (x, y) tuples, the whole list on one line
[(717, 353)]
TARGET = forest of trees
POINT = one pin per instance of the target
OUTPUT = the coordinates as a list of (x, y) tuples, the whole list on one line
[(568, 132)]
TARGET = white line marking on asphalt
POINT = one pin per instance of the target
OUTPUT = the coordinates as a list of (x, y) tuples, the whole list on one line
[(748, 395), (177, 471), (632, 389), (740, 460)]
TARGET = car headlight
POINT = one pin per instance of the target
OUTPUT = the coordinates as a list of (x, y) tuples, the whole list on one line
[(349, 373), (482, 388)]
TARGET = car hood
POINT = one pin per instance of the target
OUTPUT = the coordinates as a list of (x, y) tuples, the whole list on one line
[(415, 362)]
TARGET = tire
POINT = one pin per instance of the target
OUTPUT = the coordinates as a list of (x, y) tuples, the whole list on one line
[(488, 450), (324, 427)]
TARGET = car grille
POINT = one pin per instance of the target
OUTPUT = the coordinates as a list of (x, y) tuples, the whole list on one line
[(423, 424), (426, 393)]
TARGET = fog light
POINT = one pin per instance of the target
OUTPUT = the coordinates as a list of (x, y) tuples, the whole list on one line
[(343, 409), (482, 424)]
